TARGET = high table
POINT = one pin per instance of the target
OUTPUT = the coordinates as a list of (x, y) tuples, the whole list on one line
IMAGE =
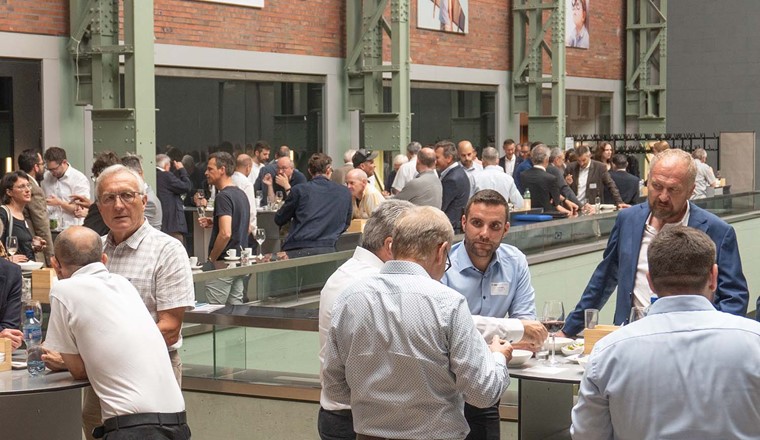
[(546, 398), (48, 406)]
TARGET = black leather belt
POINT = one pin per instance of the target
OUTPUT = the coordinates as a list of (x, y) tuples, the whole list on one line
[(128, 421)]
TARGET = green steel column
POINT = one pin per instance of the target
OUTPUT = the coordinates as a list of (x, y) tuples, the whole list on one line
[(401, 62)]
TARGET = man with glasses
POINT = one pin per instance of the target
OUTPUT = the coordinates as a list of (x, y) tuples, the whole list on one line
[(30, 161), (494, 279), (155, 263), (62, 181), (402, 349)]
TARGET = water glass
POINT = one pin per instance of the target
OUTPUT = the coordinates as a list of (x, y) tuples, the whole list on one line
[(636, 314), (591, 318)]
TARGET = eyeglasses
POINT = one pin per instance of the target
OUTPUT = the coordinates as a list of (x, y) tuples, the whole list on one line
[(577, 6), (23, 187), (126, 197), (448, 263), (54, 168)]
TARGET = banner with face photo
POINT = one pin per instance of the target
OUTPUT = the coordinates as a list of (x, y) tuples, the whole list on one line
[(576, 23), (443, 15)]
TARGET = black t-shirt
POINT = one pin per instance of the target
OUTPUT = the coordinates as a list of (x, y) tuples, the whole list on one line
[(231, 201), (20, 230)]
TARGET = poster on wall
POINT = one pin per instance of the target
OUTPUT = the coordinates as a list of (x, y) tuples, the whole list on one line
[(443, 15), (576, 23), (249, 3)]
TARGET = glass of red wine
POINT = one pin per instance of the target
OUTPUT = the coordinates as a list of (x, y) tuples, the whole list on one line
[(553, 319)]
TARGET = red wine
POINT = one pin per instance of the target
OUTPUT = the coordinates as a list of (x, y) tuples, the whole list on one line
[(553, 326)]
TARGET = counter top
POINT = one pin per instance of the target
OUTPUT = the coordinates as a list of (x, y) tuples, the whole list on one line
[(15, 382)]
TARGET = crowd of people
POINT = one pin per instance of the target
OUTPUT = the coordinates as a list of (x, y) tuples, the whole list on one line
[(415, 330)]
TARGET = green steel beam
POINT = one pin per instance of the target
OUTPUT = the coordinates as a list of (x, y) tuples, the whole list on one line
[(538, 30), (646, 64)]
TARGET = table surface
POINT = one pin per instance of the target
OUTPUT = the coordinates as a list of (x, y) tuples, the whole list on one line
[(15, 382), (565, 372)]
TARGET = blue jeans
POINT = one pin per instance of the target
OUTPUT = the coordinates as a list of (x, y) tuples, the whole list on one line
[(335, 425), (484, 422)]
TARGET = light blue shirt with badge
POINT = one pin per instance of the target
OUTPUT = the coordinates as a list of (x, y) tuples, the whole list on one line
[(504, 290)]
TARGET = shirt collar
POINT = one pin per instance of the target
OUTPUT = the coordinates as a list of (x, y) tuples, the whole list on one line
[(681, 303), (494, 167), (683, 222), (367, 257), (403, 267), (96, 269), (462, 261), (134, 240), (541, 167)]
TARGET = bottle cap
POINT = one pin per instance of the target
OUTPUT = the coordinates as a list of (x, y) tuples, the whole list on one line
[(29, 313)]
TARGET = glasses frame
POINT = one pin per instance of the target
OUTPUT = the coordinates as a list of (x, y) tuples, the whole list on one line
[(104, 199)]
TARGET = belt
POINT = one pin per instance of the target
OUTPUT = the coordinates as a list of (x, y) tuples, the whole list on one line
[(128, 421), (369, 437)]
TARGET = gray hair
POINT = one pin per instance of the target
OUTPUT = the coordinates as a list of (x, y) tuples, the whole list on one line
[(162, 160), (414, 147), (490, 156), (188, 161), (118, 169), (348, 155), (699, 153), (676, 155), (555, 153), (133, 162), (449, 149), (539, 154), (400, 159), (357, 173), (78, 246), (381, 222), (418, 233)]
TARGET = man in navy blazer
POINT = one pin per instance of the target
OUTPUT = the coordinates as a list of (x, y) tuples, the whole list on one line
[(627, 184), (670, 184), (455, 183)]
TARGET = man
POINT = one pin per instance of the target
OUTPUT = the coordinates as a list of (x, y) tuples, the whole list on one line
[(170, 187), (557, 169), (286, 178), (105, 335), (398, 160), (543, 187), (229, 225), (339, 174), (425, 189), (493, 177), (259, 155), (365, 197), (495, 280), (624, 264), (30, 161), (524, 163), (153, 211), (626, 183), (509, 161), (686, 370), (705, 176), (10, 299), (455, 183), (335, 421), (240, 178), (320, 211), (61, 181), (407, 171), (589, 176), (365, 161), (155, 263), (468, 158), (402, 349), (525, 150)]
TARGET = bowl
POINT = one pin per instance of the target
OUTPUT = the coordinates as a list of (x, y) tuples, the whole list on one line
[(558, 343), (575, 348), (520, 357), (30, 265)]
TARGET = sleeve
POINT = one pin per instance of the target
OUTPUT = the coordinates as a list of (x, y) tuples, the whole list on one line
[(610, 184), (554, 191), (223, 205), (591, 418), (709, 175), (179, 183), (506, 328), (82, 187), (59, 335), (288, 209), (37, 212), (603, 281), (174, 279), (523, 305), (516, 176), (732, 294), (481, 376), (449, 192), (334, 384), (12, 316), (515, 197)]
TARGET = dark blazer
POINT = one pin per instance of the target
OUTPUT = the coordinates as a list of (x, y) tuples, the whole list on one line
[(10, 294), (618, 266), (517, 175), (543, 187), (564, 188), (597, 177), (456, 192), (271, 168), (503, 160), (628, 186), (169, 187)]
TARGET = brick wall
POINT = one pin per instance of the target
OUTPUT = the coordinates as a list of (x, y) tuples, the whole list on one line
[(46, 17)]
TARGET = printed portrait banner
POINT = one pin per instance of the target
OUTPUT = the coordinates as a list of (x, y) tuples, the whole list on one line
[(577, 24), (443, 15)]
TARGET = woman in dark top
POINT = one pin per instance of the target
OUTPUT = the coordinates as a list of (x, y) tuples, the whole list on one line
[(17, 192)]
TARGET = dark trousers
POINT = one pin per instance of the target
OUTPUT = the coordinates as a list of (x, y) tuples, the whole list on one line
[(151, 432), (305, 252), (484, 422), (335, 425), (145, 426)]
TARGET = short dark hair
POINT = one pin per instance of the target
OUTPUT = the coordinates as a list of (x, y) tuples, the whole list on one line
[(680, 259), (487, 197), (583, 149), (620, 161), (103, 160), (261, 146), (134, 163), (27, 159), (175, 154), (8, 181), (319, 163), (224, 159), (508, 142), (449, 149), (55, 154)]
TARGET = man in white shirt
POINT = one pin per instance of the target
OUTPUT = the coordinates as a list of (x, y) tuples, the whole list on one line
[(509, 161), (335, 421), (106, 335), (241, 179), (62, 181), (259, 155), (407, 171), (493, 177), (705, 176)]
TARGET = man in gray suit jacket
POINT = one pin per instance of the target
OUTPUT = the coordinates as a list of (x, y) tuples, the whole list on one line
[(30, 161), (594, 174), (426, 188)]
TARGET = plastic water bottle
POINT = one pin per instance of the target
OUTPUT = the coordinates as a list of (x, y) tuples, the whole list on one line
[(598, 205), (33, 340), (526, 198)]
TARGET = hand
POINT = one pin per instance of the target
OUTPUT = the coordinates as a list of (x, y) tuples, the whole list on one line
[(561, 334), (571, 206), (80, 200), (283, 181), (569, 179), (18, 258), (81, 212), (199, 200), (534, 334), (205, 222), (53, 360), (38, 244), (178, 165), (267, 179), (499, 345), (53, 201), (14, 335), (623, 206)]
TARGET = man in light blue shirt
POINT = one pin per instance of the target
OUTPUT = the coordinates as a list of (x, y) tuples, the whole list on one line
[(685, 371), (495, 280)]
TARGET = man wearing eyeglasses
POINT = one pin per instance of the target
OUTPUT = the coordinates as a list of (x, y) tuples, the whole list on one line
[(30, 161), (494, 279), (62, 181)]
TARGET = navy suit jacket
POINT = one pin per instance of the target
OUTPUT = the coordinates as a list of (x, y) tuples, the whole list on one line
[(10, 294), (456, 192), (628, 186), (618, 266)]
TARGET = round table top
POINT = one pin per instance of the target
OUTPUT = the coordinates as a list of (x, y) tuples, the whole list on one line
[(565, 372), (14, 382)]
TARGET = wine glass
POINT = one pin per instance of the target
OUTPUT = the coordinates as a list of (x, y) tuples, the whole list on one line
[(278, 196), (201, 209), (260, 236), (11, 245), (636, 314), (553, 319)]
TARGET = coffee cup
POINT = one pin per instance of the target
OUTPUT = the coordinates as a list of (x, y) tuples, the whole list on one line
[(249, 250), (193, 261), (231, 253)]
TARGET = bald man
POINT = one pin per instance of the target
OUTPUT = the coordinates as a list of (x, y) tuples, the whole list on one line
[(468, 158), (243, 167), (365, 197)]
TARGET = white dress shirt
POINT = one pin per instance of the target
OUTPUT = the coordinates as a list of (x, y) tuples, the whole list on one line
[(255, 171), (582, 181), (242, 182), (405, 174), (73, 182), (509, 165), (493, 177)]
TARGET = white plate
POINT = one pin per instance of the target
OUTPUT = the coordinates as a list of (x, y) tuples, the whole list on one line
[(231, 258), (558, 344), (573, 357), (198, 267), (30, 265)]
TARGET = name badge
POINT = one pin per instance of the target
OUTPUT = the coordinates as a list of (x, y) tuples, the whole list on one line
[(592, 185), (499, 289)]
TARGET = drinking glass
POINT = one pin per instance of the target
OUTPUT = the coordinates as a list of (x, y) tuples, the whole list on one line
[(553, 319), (260, 236), (278, 197), (11, 245), (636, 314), (201, 209), (591, 318)]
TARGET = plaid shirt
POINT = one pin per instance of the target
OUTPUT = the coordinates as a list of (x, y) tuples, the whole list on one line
[(157, 265)]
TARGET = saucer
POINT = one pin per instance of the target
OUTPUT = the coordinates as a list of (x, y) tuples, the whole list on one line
[(198, 267), (231, 258)]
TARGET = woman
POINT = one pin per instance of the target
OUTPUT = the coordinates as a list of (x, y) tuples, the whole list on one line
[(604, 154), (17, 192)]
